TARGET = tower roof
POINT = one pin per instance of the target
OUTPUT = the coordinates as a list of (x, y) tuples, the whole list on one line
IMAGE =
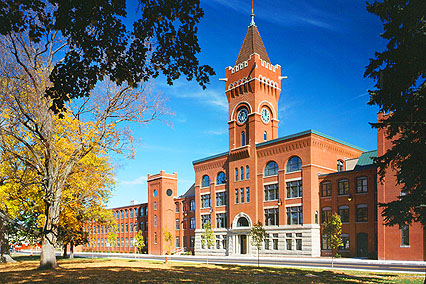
[(252, 44)]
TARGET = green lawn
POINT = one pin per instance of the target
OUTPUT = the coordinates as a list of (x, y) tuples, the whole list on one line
[(81, 270)]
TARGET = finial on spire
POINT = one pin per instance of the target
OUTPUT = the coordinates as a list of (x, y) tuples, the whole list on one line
[(252, 15)]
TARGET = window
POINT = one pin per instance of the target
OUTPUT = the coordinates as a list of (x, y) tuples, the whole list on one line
[(243, 138), (271, 169), (344, 214), (127, 228), (192, 205), (177, 207), (271, 192), (205, 182), (266, 240), (242, 173), (265, 135), (325, 214), (339, 165), (361, 185), (177, 242), (155, 221), (242, 195), (205, 201), (146, 211), (136, 227), (236, 196), (205, 219), (294, 215), (118, 215), (271, 217), (155, 237), (316, 217), (343, 187), (127, 242), (131, 242), (289, 241), (221, 178), (146, 226), (192, 242), (242, 222), (275, 241), (221, 198), (325, 242), (184, 242), (345, 241), (218, 242), (118, 242), (184, 223), (247, 194), (131, 227), (326, 189), (131, 213), (362, 213), (294, 164), (122, 228), (127, 214), (122, 214), (405, 236), (192, 223), (141, 212), (221, 220), (298, 241), (122, 242), (155, 205), (224, 238), (177, 224), (247, 172), (294, 189)]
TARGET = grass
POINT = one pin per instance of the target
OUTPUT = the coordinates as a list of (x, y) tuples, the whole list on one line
[(82, 270)]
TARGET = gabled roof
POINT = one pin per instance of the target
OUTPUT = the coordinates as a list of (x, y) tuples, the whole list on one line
[(252, 44), (190, 192), (366, 159)]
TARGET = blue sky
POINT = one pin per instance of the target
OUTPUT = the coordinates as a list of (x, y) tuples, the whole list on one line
[(323, 48)]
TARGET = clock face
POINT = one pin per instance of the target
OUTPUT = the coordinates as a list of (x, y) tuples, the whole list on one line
[(265, 115), (242, 115)]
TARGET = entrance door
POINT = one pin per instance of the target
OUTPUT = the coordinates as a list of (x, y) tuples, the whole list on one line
[(362, 245), (243, 244)]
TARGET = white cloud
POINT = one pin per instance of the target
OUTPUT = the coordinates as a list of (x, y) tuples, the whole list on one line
[(208, 97), (216, 132), (137, 181)]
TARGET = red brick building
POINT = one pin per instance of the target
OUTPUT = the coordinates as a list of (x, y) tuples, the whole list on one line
[(291, 184)]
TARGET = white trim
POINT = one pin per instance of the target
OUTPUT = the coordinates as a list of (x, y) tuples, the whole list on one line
[(217, 212), (243, 102), (299, 171), (294, 205), (271, 182), (150, 179), (272, 107), (271, 207), (220, 190), (294, 179)]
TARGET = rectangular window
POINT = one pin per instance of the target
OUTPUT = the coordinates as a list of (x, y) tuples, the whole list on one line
[(218, 242), (266, 240), (275, 241), (236, 196), (362, 213), (131, 227), (405, 236), (192, 205), (271, 217), (294, 215), (118, 242), (205, 219), (294, 189), (247, 194), (184, 242), (177, 242), (177, 207), (184, 223), (326, 189), (122, 242), (221, 220), (242, 195), (325, 242), (361, 185), (289, 244), (127, 242), (298, 241), (221, 198), (325, 214), (236, 174), (146, 226), (155, 237), (205, 201), (343, 187), (224, 238), (177, 224), (131, 213), (247, 172), (271, 192), (131, 242), (192, 242), (122, 227), (344, 214), (242, 173), (345, 241), (192, 223)]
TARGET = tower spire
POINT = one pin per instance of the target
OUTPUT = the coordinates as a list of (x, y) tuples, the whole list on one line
[(252, 15)]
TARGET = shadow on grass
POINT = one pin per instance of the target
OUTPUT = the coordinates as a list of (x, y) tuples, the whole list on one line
[(108, 271)]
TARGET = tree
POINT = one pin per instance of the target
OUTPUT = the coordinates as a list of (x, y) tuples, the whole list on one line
[(168, 238), (257, 235), (112, 235), (208, 238), (139, 241), (399, 73), (333, 229), (98, 43)]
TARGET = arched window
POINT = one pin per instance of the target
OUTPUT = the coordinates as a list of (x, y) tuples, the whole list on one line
[(294, 164), (205, 181), (242, 222), (265, 135), (271, 169), (339, 165), (247, 172), (221, 178), (243, 138), (242, 173), (236, 174)]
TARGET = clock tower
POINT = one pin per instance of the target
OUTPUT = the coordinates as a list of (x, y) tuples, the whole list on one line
[(253, 87)]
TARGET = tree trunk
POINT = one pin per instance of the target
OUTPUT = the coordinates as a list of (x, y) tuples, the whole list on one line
[(4, 243), (48, 256), (71, 250), (49, 233), (64, 255)]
